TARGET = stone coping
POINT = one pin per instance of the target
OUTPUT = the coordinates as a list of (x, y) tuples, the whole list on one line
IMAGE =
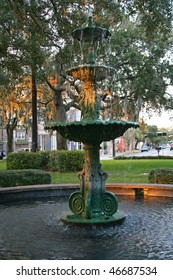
[(8, 194), (38, 187), (142, 190), (140, 186), (72, 186)]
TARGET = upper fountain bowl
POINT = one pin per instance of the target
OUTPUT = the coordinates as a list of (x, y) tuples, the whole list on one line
[(91, 34), (95, 131)]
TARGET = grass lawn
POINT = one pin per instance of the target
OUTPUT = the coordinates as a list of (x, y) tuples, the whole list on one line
[(2, 164), (119, 171)]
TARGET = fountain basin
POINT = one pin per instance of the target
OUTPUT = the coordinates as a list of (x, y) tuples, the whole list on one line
[(92, 131), (35, 231), (124, 190)]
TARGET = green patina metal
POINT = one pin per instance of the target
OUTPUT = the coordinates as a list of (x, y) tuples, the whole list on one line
[(92, 131), (92, 204), (90, 33)]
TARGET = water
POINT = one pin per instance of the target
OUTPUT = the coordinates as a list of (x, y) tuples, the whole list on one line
[(32, 230)]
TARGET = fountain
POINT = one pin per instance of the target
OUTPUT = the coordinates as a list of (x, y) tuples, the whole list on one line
[(92, 205), (30, 216)]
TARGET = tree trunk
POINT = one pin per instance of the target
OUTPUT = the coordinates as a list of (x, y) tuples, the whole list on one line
[(10, 128), (113, 148), (60, 117), (34, 114)]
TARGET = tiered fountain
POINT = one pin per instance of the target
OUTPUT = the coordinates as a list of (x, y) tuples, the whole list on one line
[(30, 229), (92, 204)]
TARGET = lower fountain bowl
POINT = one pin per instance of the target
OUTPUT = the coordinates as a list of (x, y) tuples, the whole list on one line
[(92, 131), (70, 219)]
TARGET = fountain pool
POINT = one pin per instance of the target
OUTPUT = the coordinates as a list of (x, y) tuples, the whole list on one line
[(36, 232)]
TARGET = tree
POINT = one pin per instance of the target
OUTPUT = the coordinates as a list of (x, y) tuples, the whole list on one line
[(36, 28), (140, 53), (36, 38), (15, 109)]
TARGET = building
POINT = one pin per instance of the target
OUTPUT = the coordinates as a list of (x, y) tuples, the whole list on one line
[(47, 140)]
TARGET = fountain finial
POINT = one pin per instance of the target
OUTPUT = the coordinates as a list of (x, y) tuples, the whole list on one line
[(90, 16), (90, 11)]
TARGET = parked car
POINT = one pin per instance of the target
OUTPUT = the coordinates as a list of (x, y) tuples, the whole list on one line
[(164, 146), (144, 148), (25, 150), (2, 154), (171, 147), (158, 148)]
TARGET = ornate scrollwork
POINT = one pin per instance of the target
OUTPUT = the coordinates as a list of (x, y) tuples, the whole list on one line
[(76, 203), (109, 204)]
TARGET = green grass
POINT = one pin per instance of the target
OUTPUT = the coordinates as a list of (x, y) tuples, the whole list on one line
[(133, 171), (119, 171), (2, 164), (61, 178)]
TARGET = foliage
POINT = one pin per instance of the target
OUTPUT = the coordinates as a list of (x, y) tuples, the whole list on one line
[(66, 161), (161, 176), (62, 161), (24, 177), (142, 70), (154, 137), (16, 109), (140, 51), (35, 38), (27, 160)]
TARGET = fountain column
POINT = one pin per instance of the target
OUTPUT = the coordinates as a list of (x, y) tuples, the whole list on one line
[(92, 201)]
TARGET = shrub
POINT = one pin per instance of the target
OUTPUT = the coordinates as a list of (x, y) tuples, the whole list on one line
[(64, 161), (161, 176), (27, 160), (45, 155), (61, 161), (14, 178)]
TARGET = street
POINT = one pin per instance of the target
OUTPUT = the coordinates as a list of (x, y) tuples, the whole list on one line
[(138, 153), (152, 152)]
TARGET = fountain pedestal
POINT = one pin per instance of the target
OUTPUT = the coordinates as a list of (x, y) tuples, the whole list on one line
[(93, 204)]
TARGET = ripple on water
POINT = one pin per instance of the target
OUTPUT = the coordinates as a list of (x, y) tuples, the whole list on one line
[(32, 230)]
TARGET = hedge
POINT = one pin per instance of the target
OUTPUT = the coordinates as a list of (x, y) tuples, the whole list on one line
[(15, 178), (62, 161), (66, 161), (27, 160), (161, 176)]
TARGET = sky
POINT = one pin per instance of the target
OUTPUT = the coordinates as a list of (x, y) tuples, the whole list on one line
[(162, 121)]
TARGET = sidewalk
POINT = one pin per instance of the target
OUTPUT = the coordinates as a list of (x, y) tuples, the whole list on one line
[(126, 153)]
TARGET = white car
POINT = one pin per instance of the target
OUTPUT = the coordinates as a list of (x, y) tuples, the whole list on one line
[(144, 148)]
